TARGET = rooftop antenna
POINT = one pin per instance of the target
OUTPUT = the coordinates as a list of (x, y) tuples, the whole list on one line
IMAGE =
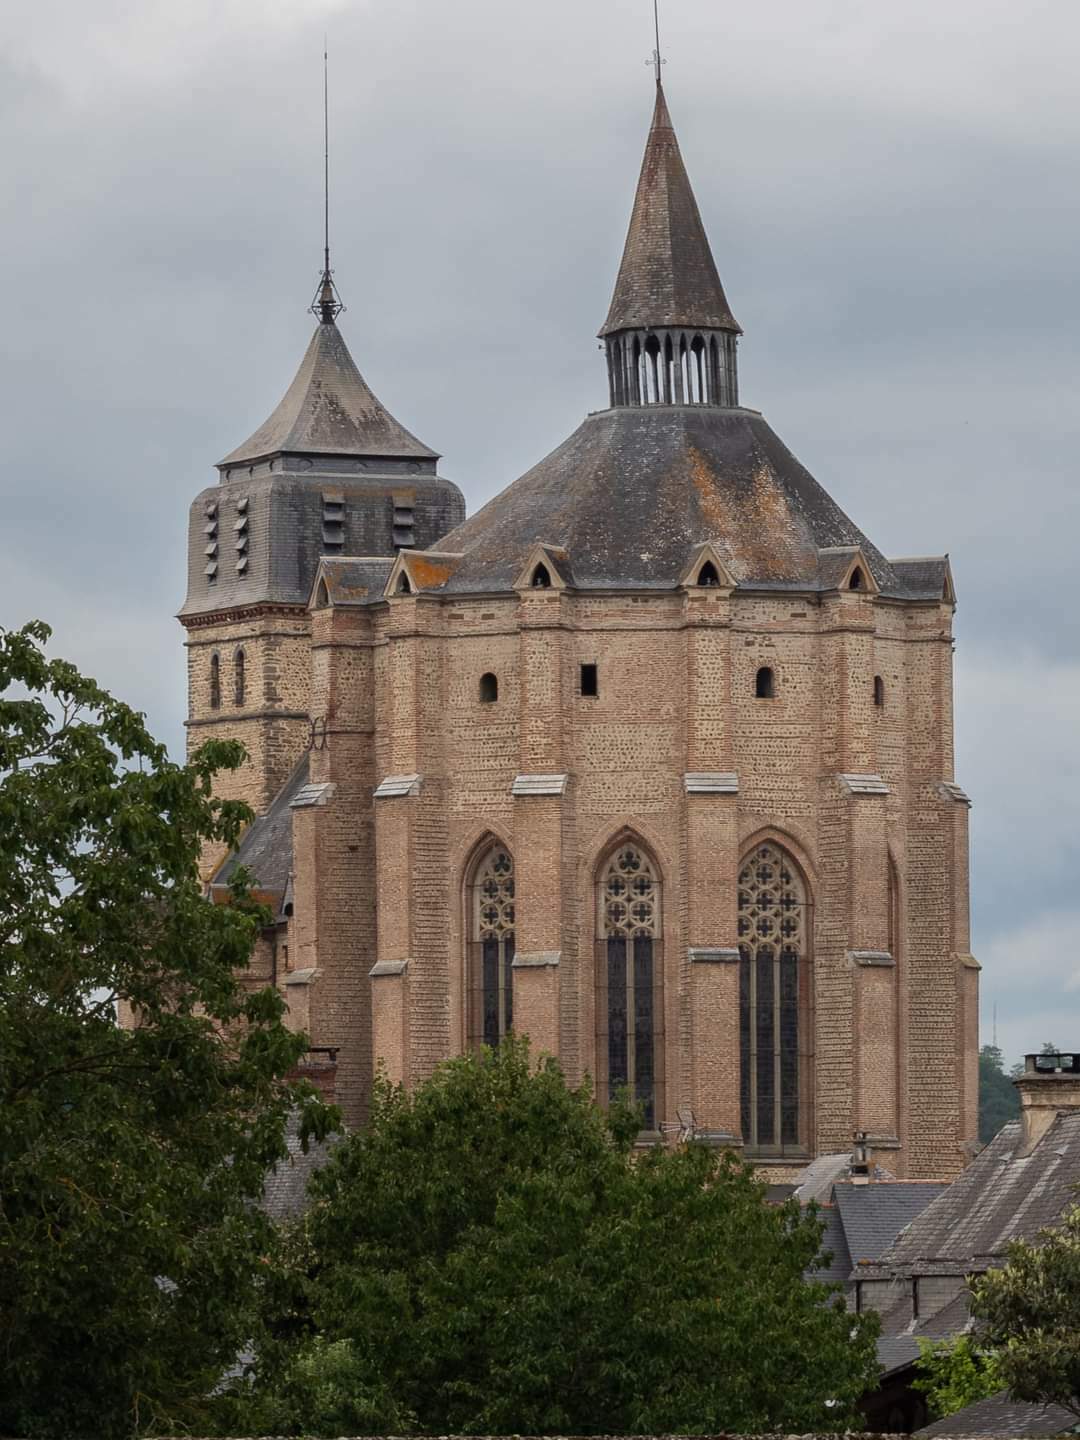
[(327, 304), (657, 61)]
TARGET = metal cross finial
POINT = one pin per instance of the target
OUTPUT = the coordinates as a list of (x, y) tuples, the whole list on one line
[(327, 303), (657, 60)]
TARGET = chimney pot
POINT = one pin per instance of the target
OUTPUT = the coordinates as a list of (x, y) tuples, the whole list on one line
[(1049, 1086)]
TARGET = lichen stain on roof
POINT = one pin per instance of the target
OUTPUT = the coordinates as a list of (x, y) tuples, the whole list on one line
[(427, 573), (329, 409), (632, 492)]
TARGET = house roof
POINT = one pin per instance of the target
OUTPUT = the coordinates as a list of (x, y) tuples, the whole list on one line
[(1000, 1197), (668, 276), (285, 1192), (635, 489), (874, 1216), (1000, 1415), (329, 409)]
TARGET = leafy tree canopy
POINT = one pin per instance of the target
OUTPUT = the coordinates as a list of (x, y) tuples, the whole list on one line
[(954, 1373), (129, 1158), (492, 1256), (1030, 1309), (999, 1101)]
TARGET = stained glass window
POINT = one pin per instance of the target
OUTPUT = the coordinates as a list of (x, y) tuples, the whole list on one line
[(774, 1026), (629, 1012), (492, 947)]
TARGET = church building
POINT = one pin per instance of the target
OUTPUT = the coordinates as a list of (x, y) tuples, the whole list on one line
[(650, 759)]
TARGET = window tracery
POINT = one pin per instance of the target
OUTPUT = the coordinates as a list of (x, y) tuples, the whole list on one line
[(630, 1015), (774, 983), (492, 947)]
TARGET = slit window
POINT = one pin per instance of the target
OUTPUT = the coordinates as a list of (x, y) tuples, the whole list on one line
[(879, 692), (240, 665), (489, 688), (215, 682), (765, 684), (590, 681)]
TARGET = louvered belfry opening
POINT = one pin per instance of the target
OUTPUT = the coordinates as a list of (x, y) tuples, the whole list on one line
[(670, 336)]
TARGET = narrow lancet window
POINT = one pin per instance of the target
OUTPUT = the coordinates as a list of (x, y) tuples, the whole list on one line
[(629, 980), (774, 1004), (491, 948), (215, 681), (240, 678)]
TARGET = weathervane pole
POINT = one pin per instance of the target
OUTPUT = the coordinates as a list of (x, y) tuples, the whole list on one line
[(326, 154), (657, 58), (327, 304)]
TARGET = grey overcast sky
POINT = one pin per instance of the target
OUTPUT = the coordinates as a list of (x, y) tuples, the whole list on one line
[(891, 193)]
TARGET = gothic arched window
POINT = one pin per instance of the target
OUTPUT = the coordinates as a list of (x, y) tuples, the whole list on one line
[(240, 677), (215, 681), (774, 1003), (491, 947), (629, 1011)]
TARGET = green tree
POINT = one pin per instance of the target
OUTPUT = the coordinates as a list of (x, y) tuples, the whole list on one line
[(954, 1373), (999, 1101), (491, 1255), (129, 1158), (1030, 1309)]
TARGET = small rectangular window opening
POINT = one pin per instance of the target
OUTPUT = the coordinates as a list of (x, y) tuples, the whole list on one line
[(590, 684)]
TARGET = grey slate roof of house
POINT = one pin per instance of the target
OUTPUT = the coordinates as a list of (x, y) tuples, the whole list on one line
[(329, 409), (266, 848), (999, 1415), (998, 1198), (635, 490), (875, 1215), (285, 1192), (668, 276)]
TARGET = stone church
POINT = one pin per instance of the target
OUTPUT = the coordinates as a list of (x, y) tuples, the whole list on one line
[(650, 759)]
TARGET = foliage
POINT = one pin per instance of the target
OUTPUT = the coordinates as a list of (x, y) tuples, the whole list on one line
[(1030, 1309), (999, 1101), (129, 1158), (497, 1258), (954, 1373)]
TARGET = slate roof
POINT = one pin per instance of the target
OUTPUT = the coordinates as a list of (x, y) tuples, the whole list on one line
[(355, 580), (833, 1244), (266, 848), (925, 577), (998, 1198), (635, 489), (285, 1192), (329, 410), (874, 1215), (999, 1415), (668, 276)]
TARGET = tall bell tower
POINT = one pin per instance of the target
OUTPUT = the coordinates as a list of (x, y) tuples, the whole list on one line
[(330, 473)]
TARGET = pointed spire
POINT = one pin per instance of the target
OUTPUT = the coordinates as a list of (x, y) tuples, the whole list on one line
[(668, 277), (329, 409)]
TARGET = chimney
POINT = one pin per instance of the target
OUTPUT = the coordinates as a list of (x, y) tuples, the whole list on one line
[(860, 1160), (1049, 1085), (319, 1065)]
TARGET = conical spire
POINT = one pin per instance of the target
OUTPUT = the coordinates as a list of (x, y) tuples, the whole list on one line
[(668, 277), (329, 409)]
